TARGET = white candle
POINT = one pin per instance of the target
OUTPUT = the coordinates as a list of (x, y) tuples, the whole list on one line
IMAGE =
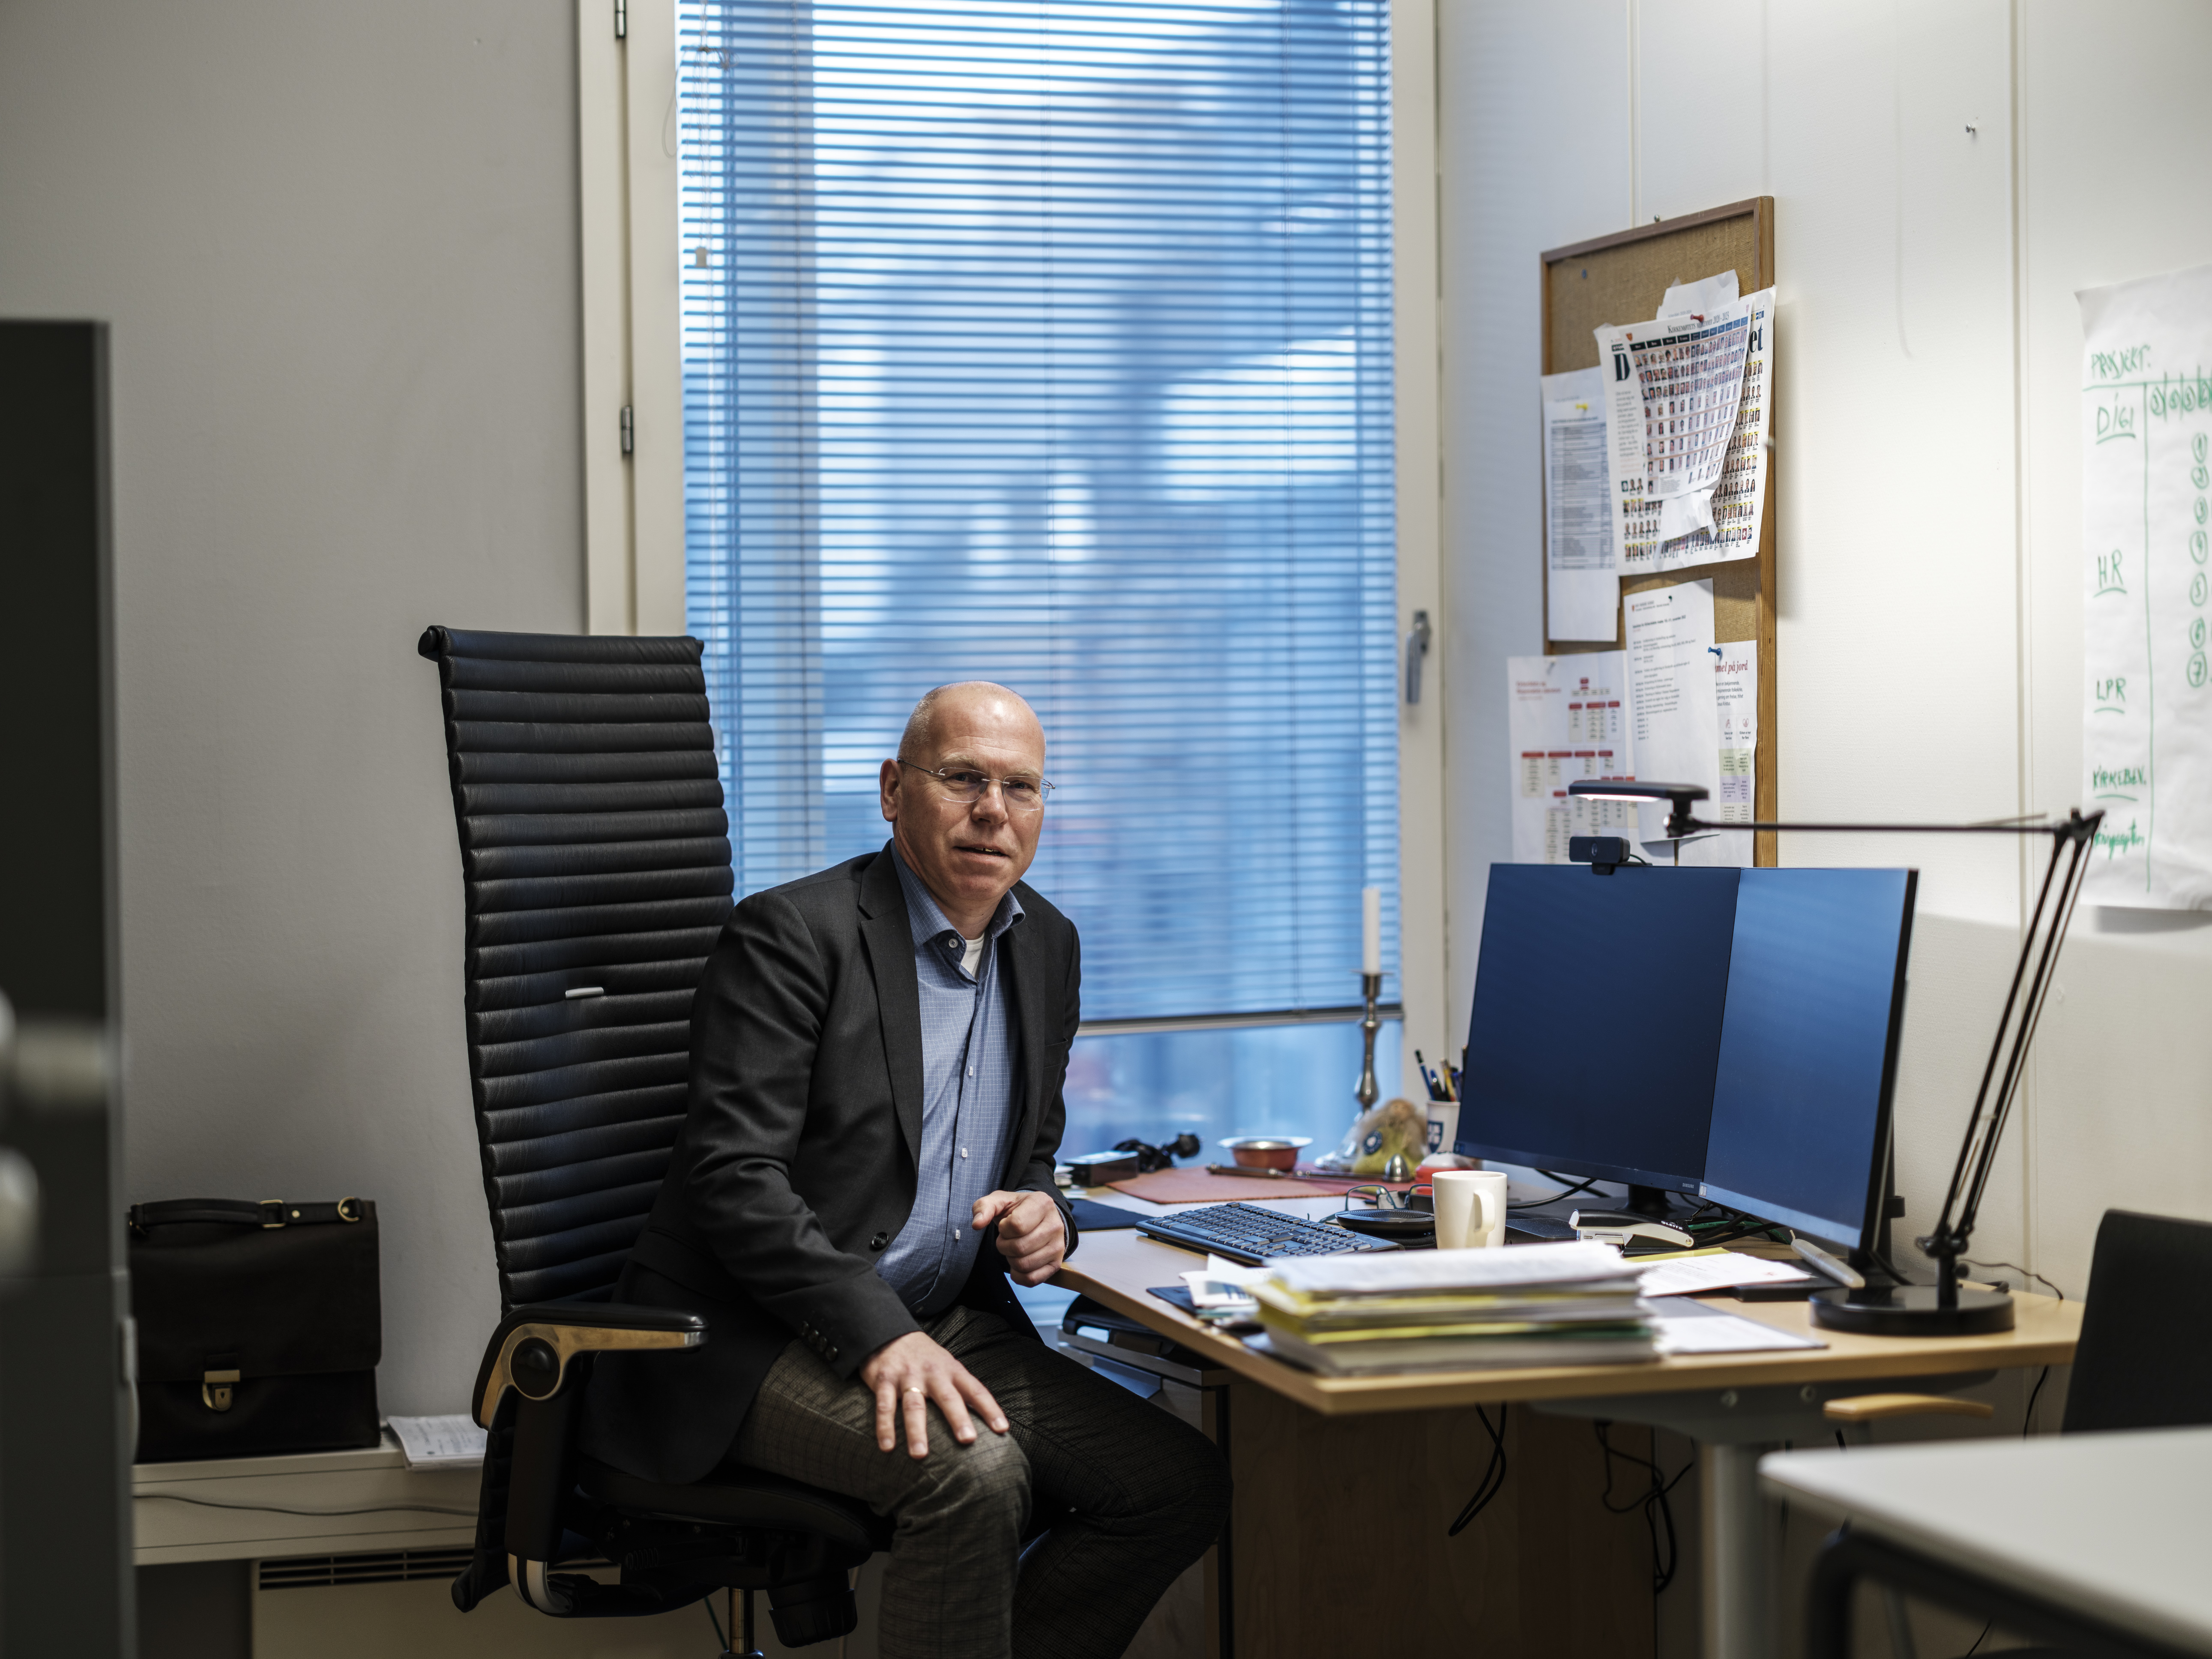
[(1370, 930)]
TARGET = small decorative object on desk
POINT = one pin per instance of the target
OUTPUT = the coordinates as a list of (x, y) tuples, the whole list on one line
[(1267, 1151), (1397, 1128), (259, 1326)]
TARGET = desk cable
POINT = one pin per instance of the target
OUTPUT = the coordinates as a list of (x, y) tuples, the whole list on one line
[(280, 1509), (1493, 1476), (1658, 1512)]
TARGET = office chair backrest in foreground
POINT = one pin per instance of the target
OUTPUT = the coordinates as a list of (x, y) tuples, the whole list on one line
[(595, 859), (2144, 1360)]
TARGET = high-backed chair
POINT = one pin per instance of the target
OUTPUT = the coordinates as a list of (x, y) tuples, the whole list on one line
[(595, 858)]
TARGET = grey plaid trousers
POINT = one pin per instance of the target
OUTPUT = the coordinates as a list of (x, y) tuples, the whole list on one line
[(1135, 1496)]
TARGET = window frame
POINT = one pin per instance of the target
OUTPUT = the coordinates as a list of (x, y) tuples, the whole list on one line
[(629, 182)]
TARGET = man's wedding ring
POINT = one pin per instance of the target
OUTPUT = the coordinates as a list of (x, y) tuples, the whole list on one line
[(916, 1388)]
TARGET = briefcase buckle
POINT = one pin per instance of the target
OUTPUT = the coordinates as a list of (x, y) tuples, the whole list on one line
[(215, 1389), (272, 1213)]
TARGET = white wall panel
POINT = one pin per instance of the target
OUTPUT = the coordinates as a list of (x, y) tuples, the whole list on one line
[(2117, 184), (337, 247), (1529, 161), (1928, 477)]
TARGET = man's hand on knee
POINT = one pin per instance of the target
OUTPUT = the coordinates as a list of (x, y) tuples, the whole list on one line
[(1031, 1235), (910, 1372)]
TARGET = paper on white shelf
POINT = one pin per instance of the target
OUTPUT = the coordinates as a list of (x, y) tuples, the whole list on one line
[(1682, 1326), (1567, 718), (1735, 696), (438, 1443), (2147, 589), (1674, 719), (1582, 588), (1717, 1270)]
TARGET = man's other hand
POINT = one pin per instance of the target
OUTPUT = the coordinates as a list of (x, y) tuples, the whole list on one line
[(1031, 1235), (910, 1372)]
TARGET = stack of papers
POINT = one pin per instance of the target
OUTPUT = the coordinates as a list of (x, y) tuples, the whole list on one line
[(1535, 1304)]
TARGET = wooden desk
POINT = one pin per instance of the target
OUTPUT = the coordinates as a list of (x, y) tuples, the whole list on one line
[(1341, 1505)]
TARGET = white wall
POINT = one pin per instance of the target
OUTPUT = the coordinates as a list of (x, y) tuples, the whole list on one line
[(1927, 477), (337, 246)]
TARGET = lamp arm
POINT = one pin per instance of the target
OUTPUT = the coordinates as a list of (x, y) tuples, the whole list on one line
[(1685, 825), (1953, 1236), (2073, 840)]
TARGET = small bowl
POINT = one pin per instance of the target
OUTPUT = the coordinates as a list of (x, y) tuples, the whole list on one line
[(1267, 1152)]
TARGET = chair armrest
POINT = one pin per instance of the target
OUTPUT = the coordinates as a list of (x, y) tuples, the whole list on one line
[(1874, 1408), (531, 1350)]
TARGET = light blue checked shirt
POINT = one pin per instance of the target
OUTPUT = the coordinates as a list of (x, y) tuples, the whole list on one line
[(967, 1100)]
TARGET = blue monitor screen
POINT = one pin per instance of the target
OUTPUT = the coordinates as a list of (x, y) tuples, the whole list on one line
[(1809, 1048), (1597, 1020)]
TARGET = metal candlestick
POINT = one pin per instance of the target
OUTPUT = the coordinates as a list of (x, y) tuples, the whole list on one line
[(1371, 985)]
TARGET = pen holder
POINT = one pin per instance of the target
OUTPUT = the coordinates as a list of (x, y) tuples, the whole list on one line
[(1443, 1125)]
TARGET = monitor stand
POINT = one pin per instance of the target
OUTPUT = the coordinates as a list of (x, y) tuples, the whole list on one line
[(1653, 1202)]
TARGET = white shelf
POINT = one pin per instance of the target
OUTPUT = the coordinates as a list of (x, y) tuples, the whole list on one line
[(372, 1484)]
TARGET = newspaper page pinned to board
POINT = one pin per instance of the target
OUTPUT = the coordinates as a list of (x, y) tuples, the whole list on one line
[(1735, 689), (1727, 525), (1569, 719), (2146, 516), (1582, 589)]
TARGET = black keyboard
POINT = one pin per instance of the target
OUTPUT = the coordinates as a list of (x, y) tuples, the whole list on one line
[(1247, 1233)]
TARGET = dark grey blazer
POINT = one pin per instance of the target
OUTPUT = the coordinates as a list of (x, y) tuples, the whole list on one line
[(795, 1167)]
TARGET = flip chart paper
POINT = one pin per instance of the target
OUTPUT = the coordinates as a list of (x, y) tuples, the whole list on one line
[(1583, 589), (1674, 720), (2146, 500), (1567, 719)]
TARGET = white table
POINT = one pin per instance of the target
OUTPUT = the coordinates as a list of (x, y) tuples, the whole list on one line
[(2083, 1539)]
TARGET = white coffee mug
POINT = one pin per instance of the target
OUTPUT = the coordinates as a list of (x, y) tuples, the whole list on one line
[(1470, 1208)]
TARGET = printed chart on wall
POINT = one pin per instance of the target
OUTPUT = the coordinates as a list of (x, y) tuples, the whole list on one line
[(1569, 719), (1687, 414), (2146, 501)]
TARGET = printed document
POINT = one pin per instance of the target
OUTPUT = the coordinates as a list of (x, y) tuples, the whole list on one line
[(2146, 513), (1568, 718), (1735, 687), (1674, 719), (1582, 589), (1718, 520)]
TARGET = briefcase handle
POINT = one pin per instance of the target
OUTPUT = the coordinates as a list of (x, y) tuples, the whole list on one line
[(269, 1212)]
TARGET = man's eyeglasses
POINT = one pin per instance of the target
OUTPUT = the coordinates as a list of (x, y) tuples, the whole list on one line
[(964, 784)]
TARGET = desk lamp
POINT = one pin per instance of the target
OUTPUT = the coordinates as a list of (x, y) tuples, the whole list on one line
[(1946, 1308)]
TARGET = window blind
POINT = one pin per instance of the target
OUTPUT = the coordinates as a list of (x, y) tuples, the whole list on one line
[(1050, 344)]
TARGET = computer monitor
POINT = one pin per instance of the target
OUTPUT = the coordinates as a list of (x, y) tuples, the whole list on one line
[(1596, 1027), (1808, 1059)]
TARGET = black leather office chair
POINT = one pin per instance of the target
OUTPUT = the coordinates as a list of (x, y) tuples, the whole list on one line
[(595, 855)]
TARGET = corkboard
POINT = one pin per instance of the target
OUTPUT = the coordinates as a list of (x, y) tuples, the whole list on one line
[(1621, 279)]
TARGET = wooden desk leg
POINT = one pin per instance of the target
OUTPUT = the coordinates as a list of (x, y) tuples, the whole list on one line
[(1341, 1546)]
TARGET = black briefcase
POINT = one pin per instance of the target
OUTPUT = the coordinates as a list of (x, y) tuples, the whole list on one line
[(259, 1326)]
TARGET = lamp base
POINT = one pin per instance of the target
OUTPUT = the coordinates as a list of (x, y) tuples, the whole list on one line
[(1911, 1311)]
